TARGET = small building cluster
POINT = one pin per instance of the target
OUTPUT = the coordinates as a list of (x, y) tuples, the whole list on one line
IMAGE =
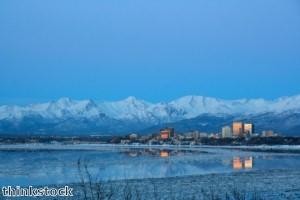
[(240, 129), (231, 133)]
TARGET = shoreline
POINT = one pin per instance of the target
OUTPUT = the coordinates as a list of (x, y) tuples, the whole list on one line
[(93, 146)]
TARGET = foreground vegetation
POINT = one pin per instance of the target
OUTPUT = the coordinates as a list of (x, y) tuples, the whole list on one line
[(213, 187)]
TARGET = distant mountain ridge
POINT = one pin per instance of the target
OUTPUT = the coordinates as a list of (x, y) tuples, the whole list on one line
[(131, 114)]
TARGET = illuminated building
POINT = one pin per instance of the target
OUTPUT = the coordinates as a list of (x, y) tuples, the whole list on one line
[(226, 131), (237, 163), (248, 128), (237, 128), (166, 133)]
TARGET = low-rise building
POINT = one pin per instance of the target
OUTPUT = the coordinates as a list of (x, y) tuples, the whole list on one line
[(203, 135), (268, 133), (133, 136), (192, 135)]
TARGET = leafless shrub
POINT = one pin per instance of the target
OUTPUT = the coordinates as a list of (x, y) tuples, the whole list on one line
[(97, 189), (238, 194)]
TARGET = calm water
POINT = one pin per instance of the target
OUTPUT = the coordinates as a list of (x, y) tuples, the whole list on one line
[(44, 167)]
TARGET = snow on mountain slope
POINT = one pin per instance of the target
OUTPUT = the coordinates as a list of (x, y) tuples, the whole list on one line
[(62, 108), (139, 110), (133, 109), (129, 108), (193, 106), (196, 105)]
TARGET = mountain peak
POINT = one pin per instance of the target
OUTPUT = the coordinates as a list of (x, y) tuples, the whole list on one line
[(133, 108), (142, 114), (64, 101), (131, 99)]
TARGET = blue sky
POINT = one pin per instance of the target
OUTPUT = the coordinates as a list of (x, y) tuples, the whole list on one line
[(152, 49)]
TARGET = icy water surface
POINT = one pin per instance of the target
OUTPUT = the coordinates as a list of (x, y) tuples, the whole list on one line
[(50, 166)]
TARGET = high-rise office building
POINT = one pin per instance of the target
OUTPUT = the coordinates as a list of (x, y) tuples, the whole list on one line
[(248, 128), (237, 128)]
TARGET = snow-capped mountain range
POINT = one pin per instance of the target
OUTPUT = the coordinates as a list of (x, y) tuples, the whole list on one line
[(136, 114)]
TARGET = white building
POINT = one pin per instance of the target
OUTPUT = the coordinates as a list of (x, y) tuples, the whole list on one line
[(226, 132)]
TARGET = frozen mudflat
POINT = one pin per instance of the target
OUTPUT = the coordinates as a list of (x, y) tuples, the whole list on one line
[(251, 185), (191, 170)]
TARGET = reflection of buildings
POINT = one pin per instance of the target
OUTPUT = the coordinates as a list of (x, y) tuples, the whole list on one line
[(156, 152), (166, 133), (133, 154), (239, 163), (164, 154), (248, 163)]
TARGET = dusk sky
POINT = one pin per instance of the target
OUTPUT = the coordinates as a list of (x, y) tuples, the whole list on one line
[(156, 50)]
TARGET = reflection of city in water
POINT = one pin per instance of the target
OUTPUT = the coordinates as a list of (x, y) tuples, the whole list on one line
[(238, 163), (242, 163), (48, 167), (163, 153)]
